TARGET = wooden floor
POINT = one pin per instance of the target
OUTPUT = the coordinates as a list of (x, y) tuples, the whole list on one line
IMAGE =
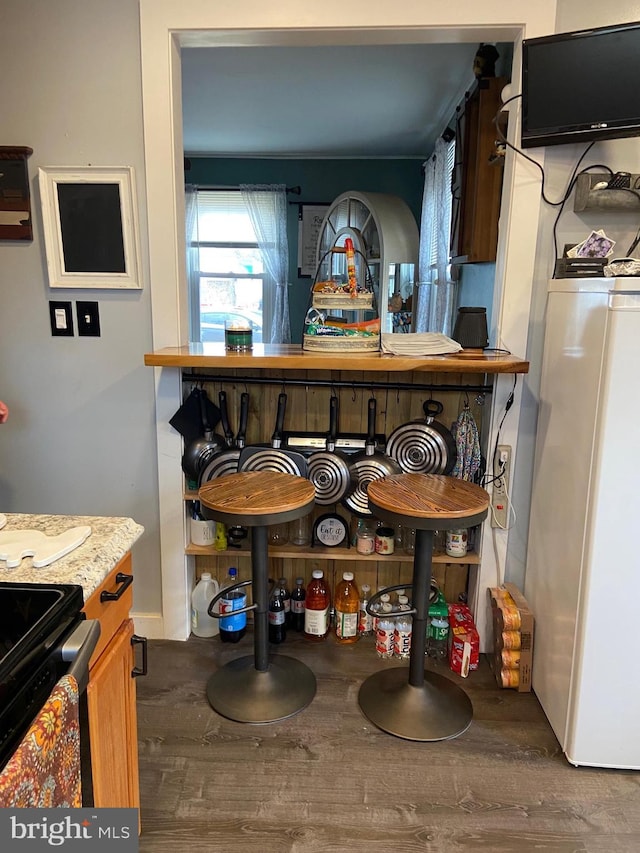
[(327, 781)]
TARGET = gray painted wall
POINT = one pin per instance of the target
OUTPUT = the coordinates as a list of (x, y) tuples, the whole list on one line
[(80, 437)]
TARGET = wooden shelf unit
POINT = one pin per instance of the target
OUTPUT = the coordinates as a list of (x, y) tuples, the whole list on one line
[(307, 410)]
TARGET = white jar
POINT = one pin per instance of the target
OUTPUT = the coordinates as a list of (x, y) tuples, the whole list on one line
[(456, 543)]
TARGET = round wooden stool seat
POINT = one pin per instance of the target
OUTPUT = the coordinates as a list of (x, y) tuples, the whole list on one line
[(255, 689), (253, 498), (419, 705), (428, 501)]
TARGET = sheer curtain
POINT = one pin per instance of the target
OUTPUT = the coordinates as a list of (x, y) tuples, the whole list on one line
[(436, 292), (267, 207), (193, 277)]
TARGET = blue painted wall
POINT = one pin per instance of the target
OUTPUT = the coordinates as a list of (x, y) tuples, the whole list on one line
[(321, 181)]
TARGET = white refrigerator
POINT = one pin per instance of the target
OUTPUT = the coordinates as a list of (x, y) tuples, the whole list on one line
[(583, 562)]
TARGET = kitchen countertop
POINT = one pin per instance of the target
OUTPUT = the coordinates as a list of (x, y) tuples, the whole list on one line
[(88, 564)]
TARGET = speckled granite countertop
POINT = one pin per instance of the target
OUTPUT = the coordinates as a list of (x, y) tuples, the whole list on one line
[(87, 565)]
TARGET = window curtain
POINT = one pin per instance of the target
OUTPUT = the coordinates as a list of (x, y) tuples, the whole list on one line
[(193, 264), (267, 207), (437, 292)]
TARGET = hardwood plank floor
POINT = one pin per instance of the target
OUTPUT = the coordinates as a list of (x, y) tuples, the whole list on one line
[(328, 781)]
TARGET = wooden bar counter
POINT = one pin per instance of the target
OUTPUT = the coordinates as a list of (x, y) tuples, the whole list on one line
[(293, 357)]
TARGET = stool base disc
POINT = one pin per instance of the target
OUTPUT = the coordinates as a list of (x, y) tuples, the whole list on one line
[(437, 710), (240, 692)]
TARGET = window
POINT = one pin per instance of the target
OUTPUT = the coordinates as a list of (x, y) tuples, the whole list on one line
[(227, 277)]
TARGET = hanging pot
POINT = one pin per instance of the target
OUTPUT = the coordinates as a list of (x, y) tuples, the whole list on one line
[(226, 461), (423, 446), (330, 470), (199, 452), (368, 465), (272, 457)]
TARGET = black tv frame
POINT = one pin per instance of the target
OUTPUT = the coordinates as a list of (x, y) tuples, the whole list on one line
[(533, 137)]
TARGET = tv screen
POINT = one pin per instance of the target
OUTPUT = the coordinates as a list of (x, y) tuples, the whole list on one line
[(582, 85)]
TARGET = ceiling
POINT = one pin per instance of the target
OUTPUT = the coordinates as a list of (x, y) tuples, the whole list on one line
[(327, 101)]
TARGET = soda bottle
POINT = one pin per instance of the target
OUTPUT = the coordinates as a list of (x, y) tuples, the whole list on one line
[(346, 600), (286, 600), (233, 628), (402, 630), (297, 605), (438, 638), (365, 621), (277, 617), (384, 631), (316, 607)]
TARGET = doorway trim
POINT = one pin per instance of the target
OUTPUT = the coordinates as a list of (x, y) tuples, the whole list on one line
[(166, 27)]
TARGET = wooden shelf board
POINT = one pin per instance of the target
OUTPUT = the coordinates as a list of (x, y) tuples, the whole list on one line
[(293, 357), (320, 553)]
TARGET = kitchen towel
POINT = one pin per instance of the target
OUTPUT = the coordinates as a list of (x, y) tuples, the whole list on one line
[(419, 344), (44, 771)]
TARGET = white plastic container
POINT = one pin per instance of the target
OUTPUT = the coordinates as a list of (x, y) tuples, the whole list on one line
[(203, 625)]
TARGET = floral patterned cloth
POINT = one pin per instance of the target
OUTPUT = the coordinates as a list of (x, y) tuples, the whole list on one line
[(44, 771)]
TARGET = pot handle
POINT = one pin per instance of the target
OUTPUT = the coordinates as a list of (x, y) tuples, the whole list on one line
[(370, 445), (224, 417), (431, 408), (241, 436), (333, 422), (276, 438)]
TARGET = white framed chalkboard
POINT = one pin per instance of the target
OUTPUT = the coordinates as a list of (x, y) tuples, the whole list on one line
[(90, 227), (310, 219)]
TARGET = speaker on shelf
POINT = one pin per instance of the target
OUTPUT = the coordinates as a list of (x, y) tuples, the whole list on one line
[(470, 329)]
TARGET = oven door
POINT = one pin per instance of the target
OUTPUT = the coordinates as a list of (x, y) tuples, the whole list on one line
[(69, 655)]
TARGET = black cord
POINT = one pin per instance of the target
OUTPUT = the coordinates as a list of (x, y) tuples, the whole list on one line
[(507, 406)]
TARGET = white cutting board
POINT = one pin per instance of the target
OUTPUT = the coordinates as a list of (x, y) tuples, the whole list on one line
[(16, 544)]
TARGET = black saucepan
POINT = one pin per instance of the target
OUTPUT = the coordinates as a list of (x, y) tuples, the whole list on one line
[(273, 457), (423, 446), (226, 461), (330, 470), (367, 465), (198, 453)]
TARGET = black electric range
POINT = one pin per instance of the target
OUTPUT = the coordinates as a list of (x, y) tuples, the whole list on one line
[(42, 636)]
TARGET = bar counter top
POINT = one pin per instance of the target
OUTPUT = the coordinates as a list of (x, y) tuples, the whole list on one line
[(293, 357)]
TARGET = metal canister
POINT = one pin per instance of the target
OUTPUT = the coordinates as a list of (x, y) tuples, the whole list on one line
[(511, 639), (510, 659), (510, 677)]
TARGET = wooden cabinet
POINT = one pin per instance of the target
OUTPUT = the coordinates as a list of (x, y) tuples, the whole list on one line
[(476, 181), (111, 695)]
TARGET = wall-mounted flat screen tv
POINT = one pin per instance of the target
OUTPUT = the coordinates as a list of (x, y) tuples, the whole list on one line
[(583, 85)]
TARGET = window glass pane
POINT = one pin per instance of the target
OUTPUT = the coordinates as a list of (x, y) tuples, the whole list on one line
[(230, 260), (231, 298)]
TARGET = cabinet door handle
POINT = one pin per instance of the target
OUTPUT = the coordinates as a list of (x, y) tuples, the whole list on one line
[(124, 580), (140, 641)]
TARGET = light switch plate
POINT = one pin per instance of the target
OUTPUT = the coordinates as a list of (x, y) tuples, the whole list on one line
[(61, 318), (88, 319)]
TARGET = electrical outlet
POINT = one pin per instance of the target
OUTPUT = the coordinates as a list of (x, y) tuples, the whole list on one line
[(500, 488)]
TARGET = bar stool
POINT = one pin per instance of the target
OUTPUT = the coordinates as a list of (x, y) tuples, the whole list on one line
[(252, 689), (426, 706)]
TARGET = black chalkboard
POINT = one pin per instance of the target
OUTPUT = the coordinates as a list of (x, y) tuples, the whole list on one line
[(91, 227)]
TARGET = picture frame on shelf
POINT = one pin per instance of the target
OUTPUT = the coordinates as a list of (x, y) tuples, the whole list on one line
[(90, 227)]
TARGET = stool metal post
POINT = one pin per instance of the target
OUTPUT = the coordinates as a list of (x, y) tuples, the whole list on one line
[(260, 587), (421, 586)]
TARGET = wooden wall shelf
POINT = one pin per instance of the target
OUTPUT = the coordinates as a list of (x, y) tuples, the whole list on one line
[(292, 357)]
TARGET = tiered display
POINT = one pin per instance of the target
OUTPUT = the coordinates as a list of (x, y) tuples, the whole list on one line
[(342, 304)]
